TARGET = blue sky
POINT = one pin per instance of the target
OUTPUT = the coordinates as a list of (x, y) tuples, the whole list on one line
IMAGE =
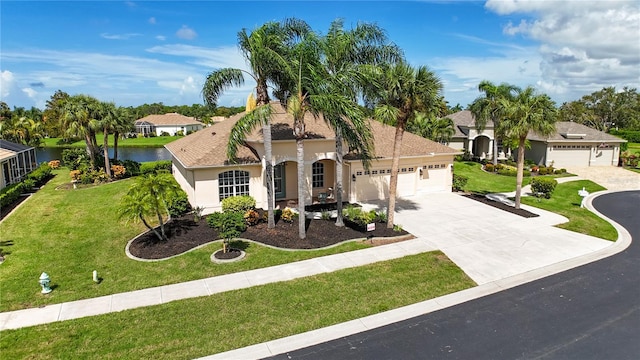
[(135, 52)]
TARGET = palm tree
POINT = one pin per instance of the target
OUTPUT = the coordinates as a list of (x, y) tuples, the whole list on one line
[(400, 91), (527, 112), (488, 108), (79, 118), (342, 53), (123, 125), (108, 120), (148, 196), (263, 49), (437, 129)]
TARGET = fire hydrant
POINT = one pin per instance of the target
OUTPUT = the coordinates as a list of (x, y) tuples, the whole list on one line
[(45, 280)]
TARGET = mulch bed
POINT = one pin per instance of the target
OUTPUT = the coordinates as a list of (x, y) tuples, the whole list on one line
[(501, 206), (185, 234), (6, 210)]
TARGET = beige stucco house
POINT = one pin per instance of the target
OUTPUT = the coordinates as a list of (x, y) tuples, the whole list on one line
[(201, 167), (170, 123), (467, 137), (574, 144)]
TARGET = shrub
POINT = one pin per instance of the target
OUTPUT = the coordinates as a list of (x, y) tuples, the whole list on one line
[(155, 166), (489, 167), (325, 215), (557, 171), (178, 203), (28, 184), (381, 216), (11, 193), (535, 168), (75, 158), (228, 224), (358, 216), (54, 164), (543, 186), (288, 215), (240, 204), (164, 133), (118, 171), (40, 175), (197, 213), (251, 217), (543, 170), (180, 133), (459, 182), (75, 175), (397, 227), (499, 166), (132, 167)]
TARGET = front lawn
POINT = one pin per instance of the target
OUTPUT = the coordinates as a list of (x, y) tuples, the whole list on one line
[(566, 201), (207, 325), (483, 182), (70, 233)]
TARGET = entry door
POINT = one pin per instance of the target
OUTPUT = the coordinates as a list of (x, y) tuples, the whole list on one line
[(279, 185)]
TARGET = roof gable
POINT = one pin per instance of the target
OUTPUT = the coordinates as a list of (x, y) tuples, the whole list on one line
[(574, 132), (168, 119)]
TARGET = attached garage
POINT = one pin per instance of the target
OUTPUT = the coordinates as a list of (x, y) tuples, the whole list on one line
[(574, 145)]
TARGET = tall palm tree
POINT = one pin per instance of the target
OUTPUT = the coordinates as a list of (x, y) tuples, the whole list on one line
[(527, 112), (487, 108), (79, 119), (402, 91), (263, 49), (342, 53), (107, 121), (123, 125), (437, 129)]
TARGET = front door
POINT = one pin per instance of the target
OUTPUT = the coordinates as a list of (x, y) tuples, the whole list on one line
[(279, 181)]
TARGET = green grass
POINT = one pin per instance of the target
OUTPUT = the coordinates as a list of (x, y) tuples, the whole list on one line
[(202, 326), (566, 201), (157, 141), (70, 233), (483, 182)]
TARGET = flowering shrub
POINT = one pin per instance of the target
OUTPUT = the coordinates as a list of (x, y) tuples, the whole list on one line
[(288, 215), (118, 171), (54, 164), (251, 217), (75, 175)]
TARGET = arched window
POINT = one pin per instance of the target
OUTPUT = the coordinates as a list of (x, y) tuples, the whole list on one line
[(233, 183)]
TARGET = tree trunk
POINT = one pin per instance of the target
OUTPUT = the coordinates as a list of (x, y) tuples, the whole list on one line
[(266, 135), (116, 134), (105, 149), (164, 236), (150, 228), (301, 188), (338, 189), (495, 147), (90, 149), (393, 183), (519, 174)]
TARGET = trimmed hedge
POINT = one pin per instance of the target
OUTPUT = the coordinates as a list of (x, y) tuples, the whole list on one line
[(155, 166), (543, 186)]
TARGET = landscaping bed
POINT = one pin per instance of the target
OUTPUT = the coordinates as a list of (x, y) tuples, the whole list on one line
[(521, 212), (185, 234)]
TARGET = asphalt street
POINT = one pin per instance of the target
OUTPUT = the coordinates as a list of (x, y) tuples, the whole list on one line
[(589, 312)]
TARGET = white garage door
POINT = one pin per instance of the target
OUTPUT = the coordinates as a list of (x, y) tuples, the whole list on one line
[(376, 186), (569, 155), (603, 157)]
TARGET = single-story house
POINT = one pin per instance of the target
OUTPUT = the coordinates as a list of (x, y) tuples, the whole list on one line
[(467, 138), (17, 161), (574, 144), (170, 123), (201, 167)]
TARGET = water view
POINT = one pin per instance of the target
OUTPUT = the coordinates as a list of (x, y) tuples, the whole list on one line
[(137, 154)]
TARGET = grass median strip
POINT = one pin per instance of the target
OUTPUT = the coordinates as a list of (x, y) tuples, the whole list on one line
[(566, 202), (207, 325)]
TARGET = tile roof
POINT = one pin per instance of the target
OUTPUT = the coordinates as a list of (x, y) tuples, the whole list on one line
[(464, 119), (207, 147), (169, 119), (582, 133)]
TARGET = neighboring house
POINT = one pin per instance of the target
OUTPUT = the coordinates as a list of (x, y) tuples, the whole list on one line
[(16, 160), (574, 144), (201, 167), (170, 123), (468, 138)]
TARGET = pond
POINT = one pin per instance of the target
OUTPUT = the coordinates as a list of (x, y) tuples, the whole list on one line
[(136, 154)]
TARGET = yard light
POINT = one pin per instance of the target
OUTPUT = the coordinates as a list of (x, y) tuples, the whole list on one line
[(45, 280)]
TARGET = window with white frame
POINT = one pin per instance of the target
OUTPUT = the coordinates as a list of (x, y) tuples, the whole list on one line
[(317, 177), (233, 183)]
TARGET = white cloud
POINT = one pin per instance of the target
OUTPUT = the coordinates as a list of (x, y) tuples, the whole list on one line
[(161, 37), (119, 36), (6, 83), (13, 95), (152, 20), (186, 33), (213, 58), (584, 45)]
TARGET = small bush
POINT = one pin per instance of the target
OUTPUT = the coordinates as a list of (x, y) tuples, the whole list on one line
[(358, 216), (41, 174), (180, 133), (164, 133), (75, 175), (75, 158), (288, 215), (11, 193), (557, 171), (118, 171), (251, 217), (543, 186), (178, 204), (228, 224), (54, 164), (132, 167), (488, 167), (240, 204), (397, 228), (459, 182), (197, 213), (325, 215), (381, 216), (155, 167), (543, 170)]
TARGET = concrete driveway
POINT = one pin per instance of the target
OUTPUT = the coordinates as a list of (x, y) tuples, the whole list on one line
[(611, 177), (490, 244)]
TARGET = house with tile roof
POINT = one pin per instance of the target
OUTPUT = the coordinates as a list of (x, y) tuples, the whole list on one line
[(574, 144), (201, 167), (467, 137), (170, 123), (16, 161)]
